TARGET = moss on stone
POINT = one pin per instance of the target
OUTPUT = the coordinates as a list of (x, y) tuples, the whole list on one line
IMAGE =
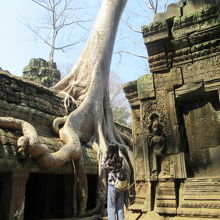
[(42, 72)]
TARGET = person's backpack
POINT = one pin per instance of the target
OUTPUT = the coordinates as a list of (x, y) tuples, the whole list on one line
[(121, 180)]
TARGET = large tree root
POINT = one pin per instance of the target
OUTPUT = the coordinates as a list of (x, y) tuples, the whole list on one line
[(29, 143)]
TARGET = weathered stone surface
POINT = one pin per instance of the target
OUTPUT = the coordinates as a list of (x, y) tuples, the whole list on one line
[(131, 93), (184, 58), (183, 39), (169, 80), (152, 215), (200, 197), (166, 198), (24, 182), (42, 72), (194, 5), (145, 87), (39, 106), (173, 10)]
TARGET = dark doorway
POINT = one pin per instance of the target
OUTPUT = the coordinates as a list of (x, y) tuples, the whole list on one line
[(48, 196), (92, 189), (5, 194)]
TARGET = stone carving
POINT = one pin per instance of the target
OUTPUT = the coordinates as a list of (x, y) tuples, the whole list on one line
[(200, 196), (156, 145), (166, 201)]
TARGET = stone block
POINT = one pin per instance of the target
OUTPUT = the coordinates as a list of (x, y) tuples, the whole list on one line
[(145, 87), (173, 10), (200, 197), (166, 198)]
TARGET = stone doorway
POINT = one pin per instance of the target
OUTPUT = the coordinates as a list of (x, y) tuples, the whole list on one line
[(92, 189), (5, 194), (51, 195), (48, 196)]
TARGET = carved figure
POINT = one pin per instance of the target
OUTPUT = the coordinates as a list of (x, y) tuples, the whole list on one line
[(156, 144)]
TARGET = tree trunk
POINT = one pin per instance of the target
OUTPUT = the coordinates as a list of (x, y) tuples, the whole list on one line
[(92, 122), (88, 82)]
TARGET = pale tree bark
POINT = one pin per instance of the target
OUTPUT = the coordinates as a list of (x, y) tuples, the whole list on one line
[(88, 82), (92, 122)]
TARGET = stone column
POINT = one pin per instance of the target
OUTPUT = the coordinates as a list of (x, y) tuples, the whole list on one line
[(19, 179)]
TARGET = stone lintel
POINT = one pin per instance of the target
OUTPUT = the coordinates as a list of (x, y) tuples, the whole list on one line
[(189, 91), (145, 87), (130, 90), (170, 80)]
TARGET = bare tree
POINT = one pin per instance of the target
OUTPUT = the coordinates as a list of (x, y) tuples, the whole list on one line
[(132, 26), (58, 18), (120, 107)]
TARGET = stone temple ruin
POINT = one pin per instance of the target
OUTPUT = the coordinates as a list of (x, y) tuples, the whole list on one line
[(176, 126), (28, 190), (42, 72), (176, 114)]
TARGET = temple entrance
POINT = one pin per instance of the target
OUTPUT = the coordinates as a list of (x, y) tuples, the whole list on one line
[(51, 195), (48, 196), (5, 194), (92, 189)]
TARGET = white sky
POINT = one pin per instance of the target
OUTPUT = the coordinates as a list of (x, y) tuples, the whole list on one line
[(18, 46)]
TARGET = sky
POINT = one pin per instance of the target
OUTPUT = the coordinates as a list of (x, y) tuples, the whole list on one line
[(18, 44)]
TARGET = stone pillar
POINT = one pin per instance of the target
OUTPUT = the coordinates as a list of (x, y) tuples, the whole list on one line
[(19, 179)]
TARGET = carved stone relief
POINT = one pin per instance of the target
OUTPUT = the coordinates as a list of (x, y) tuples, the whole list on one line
[(200, 197), (166, 199), (157, 105), (202, 70), (156, 146)]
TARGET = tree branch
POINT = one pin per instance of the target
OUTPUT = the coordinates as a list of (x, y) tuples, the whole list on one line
[(130, 27), (70, 23), (131, 53), (63, 47), (40, 4)]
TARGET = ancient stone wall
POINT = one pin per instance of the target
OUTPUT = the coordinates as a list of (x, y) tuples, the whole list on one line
[(28, 190), (176, 113), (35, 104)]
